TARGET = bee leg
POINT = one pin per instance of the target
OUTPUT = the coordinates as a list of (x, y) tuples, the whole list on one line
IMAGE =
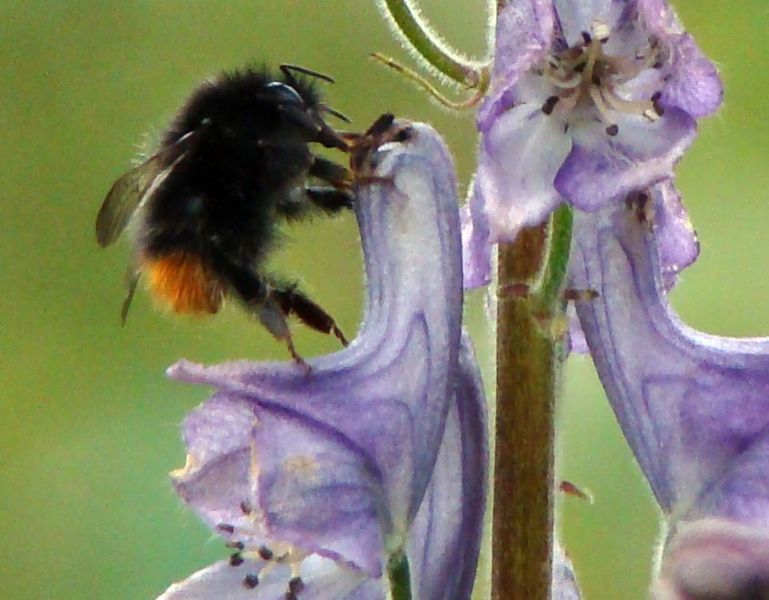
[(308, 312), (330, 199), (257, 296), (313, 126), (132, 279), (381, 126), (331, 172), (273, 317)]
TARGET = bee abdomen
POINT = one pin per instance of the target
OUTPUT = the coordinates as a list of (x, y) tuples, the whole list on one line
[(183, 282)]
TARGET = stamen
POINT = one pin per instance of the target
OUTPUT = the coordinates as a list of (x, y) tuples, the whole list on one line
[(250, 581), (265, 553), (236, 559), (639, 107), (603, 110), (584, 74), (566, 84)]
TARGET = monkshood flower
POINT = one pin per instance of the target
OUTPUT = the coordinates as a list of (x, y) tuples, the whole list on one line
[(589, 101), (693, 407), (317, 479)]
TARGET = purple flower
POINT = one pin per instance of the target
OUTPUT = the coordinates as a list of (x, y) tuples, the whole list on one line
[(565, 585), (590, 100), (316, 479), (694, 407)]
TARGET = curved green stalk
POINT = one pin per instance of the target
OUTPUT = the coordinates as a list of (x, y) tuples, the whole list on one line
[(551, 285), (427, 45)]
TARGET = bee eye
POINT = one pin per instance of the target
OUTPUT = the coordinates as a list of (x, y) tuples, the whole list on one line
[(284, 92)]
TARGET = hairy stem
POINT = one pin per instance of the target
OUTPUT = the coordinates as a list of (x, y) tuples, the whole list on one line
[(432, 49), (528, 362), (399, 576)]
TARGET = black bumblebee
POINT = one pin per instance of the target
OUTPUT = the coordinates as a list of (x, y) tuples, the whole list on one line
[(233, 164)]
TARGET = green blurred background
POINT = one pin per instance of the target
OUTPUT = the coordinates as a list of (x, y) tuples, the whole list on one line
[(88, 422)]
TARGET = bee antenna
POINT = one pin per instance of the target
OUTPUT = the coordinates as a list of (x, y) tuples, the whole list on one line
[(332, 111), (287, 71)]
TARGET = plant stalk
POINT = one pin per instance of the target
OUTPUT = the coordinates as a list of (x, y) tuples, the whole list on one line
[(528, 357), (399, 576)]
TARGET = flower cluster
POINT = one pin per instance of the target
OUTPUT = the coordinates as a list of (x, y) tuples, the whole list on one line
[(592, 104), (589, 102), (321, 481)]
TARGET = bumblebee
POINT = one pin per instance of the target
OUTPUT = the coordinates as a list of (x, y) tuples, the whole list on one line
[(235, 163)]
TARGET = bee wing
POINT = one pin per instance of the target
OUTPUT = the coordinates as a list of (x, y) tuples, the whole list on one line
[(131, 190)]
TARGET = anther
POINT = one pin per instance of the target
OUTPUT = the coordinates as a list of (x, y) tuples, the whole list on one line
[(612, 130), (245, 507), (549, 105), (265, 553), (225, 528), (236, 559), (586, 37), (657, 107), (235, 545), (657, 65), (250, 581)]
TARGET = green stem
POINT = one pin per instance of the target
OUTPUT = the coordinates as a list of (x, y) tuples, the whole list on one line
[(430, 47), (528, 365), (399, 576), (550, 289)]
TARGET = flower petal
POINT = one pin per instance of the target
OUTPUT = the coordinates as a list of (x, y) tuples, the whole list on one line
[(322, 580), (715, 559), (601, 168), (575, 17), (476, 244), (565, 585), (694, 85), (694, 407), (518, 161), (374, 411), (446, 535), (676, 239), (523, 35)]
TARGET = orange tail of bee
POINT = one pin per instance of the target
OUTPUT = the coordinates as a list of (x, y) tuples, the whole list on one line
[(184, 283)]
